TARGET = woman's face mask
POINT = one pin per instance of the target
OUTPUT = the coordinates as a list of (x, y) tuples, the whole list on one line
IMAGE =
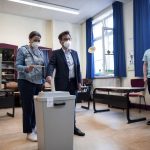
[(35, 44)]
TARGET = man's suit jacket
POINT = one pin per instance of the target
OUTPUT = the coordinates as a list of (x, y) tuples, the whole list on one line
[(58, 62)]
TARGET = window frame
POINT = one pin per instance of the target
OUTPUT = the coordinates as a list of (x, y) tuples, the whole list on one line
[(103, 20)]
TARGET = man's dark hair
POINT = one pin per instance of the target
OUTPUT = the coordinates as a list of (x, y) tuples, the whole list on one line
[(34, 33), (62, 34)]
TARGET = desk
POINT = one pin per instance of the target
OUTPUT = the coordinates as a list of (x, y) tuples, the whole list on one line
[(7, 100), (120, 101)]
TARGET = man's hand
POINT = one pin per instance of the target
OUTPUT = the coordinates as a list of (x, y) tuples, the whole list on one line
[(145, 79), (29, 68), (48, 79), (145, 65), (79, 86)]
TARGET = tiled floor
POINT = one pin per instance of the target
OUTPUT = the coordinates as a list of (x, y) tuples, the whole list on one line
[(104, 131)]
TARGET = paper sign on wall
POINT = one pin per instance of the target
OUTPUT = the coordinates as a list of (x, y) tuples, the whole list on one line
[(50, 102)]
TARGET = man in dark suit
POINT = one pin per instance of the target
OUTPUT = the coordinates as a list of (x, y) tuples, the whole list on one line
[(68, 74)]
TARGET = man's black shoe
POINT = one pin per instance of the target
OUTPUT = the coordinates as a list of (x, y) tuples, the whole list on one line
[(78, 132)]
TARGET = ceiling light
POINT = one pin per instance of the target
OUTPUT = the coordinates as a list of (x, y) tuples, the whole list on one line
[(48, 6)]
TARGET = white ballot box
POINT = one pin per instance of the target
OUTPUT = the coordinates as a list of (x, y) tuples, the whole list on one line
[(55, 120)]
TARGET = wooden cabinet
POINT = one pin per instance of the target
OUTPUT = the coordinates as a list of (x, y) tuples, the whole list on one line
[(9, 52), (8, 70)]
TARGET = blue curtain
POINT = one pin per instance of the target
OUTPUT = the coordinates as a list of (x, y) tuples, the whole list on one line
[(118, 40), (89, 56), (141, 13)]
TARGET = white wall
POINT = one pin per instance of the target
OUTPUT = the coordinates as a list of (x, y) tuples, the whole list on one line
[(128, 34), (75, 31), (83, 50), (15, 29)]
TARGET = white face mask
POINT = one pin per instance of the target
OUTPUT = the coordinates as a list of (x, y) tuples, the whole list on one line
[(35, 44), (67, 44)]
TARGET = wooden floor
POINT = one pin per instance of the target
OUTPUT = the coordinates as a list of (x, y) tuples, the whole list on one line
[(104, 131)]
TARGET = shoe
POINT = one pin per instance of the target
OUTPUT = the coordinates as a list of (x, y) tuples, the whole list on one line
[(35, 130), (78, 132), (32, 137), (148, 122)]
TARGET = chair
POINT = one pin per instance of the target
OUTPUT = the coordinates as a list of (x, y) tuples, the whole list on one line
[(7, 96), (85, 93), (141, 95), (13, 85)]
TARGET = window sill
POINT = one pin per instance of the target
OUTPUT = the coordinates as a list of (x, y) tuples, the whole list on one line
[(104, 77)]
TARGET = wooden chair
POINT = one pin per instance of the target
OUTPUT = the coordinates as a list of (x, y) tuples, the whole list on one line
[(140, 95), (85, 93)]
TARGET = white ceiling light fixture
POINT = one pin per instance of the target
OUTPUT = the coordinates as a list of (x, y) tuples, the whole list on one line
[(48, 6)]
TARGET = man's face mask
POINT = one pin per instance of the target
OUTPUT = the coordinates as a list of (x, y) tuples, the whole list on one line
[(67, 44)]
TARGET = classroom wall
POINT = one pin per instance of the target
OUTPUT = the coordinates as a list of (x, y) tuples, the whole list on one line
[(128, 34), (75, 31), (83, 50), (15, 29)]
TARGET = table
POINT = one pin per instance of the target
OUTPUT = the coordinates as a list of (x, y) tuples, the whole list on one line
[(119, 101), (7, 100)]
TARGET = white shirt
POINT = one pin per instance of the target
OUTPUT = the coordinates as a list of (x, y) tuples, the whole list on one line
[(146, 58), (70, 63)]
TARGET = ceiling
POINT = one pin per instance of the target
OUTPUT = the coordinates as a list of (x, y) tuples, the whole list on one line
[(87, 8)]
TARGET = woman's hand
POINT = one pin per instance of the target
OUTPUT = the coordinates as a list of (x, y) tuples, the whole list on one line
[(29, 68), (145, 79)]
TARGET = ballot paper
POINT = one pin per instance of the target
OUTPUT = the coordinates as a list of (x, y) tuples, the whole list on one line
[(50, 102)]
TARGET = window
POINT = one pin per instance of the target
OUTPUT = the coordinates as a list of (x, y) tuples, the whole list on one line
[(103, 41)]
